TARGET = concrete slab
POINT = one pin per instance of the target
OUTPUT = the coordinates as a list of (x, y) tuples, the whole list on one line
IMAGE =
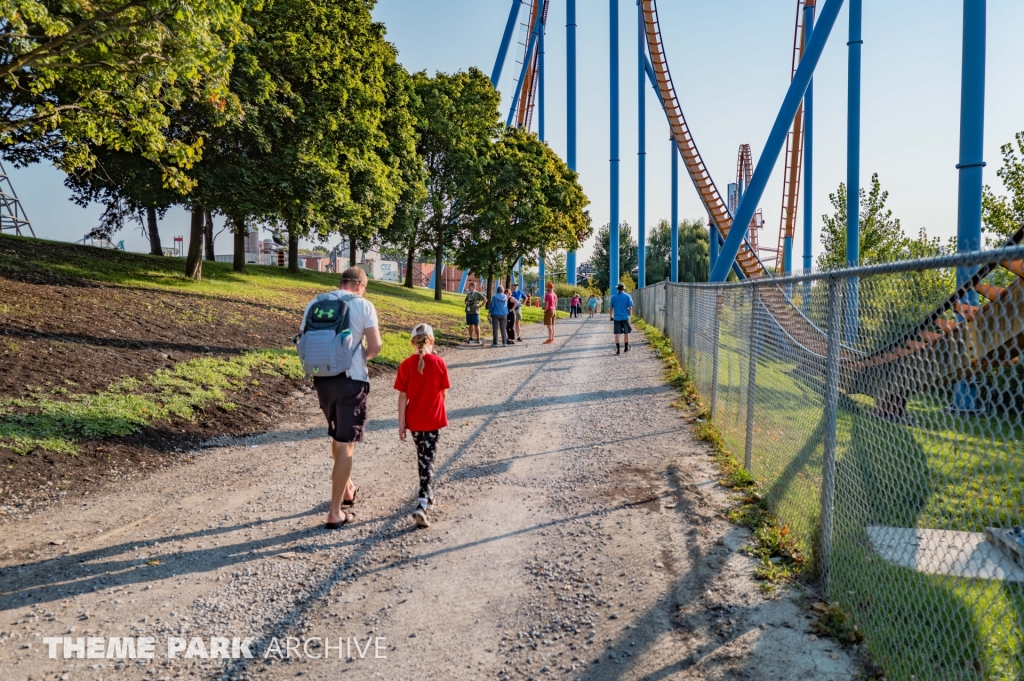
[(944, 552)]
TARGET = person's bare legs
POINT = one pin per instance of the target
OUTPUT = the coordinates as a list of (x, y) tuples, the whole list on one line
[(518, 328), (341, 478), (551, 333)]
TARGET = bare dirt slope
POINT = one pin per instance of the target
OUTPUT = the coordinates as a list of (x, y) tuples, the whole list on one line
[(578, 536)]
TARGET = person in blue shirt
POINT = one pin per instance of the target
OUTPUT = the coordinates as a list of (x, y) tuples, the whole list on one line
[(520, 297), (619, 310), (497, 309)]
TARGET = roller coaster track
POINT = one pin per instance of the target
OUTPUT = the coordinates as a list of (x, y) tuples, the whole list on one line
[(945, 349), (528, 96), (794, 150), (745, 171)]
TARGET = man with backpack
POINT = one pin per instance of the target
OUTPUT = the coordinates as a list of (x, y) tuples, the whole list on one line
[(333, 353)]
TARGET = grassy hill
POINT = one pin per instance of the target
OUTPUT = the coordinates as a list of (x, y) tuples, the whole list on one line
[(111, 360)]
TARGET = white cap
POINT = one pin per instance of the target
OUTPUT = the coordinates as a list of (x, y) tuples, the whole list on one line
[(422, 330)]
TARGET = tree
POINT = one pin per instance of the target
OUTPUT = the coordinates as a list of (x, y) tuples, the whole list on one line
[(628, 254), (694, 246), (110, 72), (524, 201), (1005, 215), (130, 187), (881, 238), (457, 120), (659, 250)]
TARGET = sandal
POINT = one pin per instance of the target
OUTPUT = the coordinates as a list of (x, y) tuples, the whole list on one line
[(352, 501), (348, 517)]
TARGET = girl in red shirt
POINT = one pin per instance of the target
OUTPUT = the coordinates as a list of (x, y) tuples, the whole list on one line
[(422, 385)]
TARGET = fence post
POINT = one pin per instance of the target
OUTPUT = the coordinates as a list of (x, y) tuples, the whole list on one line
[(748, 452), (715, 335), (690, 363), (828, 468)]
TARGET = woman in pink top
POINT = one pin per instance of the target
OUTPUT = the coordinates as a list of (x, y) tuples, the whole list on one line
[(550, 311)]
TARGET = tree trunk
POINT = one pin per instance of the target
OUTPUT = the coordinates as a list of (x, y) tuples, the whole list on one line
[(194, 262), (490, 282), (154, 233), (508, 281), (351, 251), (408, 267), (209, 237), (293, 252), (438, 266), (240, 232)]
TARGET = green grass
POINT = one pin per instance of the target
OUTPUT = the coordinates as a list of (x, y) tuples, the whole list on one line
[(128, 405), (944, 472)]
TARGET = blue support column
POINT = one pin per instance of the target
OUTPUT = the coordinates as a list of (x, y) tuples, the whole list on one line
[(521, 286), (673, 264), (970, 167), (777, 137), (853, 169), (540, 80), (808, 236), (462, 282), (713, 237), (641, 153), (613, 225), (570, 112), (540, 273), (506, 38)]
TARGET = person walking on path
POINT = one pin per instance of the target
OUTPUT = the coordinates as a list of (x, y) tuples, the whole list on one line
[(575, 303), (619, 310), (497, 309), (510, 322), (520, 298), (592, 305), (474, 299), (422, 384), (343, 397), (550, 311)]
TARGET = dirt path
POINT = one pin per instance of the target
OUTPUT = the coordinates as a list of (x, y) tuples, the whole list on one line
[(577, 537)]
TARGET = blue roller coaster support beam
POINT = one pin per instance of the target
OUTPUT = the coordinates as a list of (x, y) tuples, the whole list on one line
[(521, 287), (540, 273), (713, 238), (777, 137), (970, 167), (433, 276), (808, 237), (570, 113), (853, 169), (673, 258), (613, 225), (462, 282), (641, 150), (506, 39), (540, 80), (527, 60)]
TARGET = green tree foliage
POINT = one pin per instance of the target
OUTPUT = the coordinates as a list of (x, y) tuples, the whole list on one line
[(628, 254), (693, 252), (1004, 215), (109, 72), (881, 238), (694, 247), (456, 120), (524, 200)]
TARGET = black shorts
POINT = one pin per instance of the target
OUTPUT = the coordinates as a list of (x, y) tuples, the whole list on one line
[(622, 326), (343, 401)]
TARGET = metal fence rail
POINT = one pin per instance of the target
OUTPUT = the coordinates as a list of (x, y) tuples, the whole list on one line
[(881, 409)]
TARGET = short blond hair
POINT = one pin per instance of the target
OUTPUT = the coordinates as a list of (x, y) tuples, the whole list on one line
[(353, 275)]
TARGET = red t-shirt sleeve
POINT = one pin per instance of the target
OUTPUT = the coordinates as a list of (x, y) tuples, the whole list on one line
[(402, 377), (445, 384)]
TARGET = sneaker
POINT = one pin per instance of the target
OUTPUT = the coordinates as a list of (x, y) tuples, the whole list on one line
[(617, 352), (519, 340), (494, 345), (419, 516), (431, 503), (627, 348)]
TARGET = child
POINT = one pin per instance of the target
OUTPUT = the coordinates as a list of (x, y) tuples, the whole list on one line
[(422, 385)]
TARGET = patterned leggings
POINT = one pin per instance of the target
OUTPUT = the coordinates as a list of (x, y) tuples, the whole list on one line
[(426, 447)]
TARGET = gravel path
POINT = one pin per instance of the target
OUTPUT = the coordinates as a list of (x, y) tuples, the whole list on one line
[(578, 536)]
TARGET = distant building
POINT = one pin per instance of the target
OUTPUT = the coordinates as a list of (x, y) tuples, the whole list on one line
[(584, 271)]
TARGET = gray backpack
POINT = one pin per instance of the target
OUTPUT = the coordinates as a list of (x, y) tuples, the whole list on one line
[(326, 345)]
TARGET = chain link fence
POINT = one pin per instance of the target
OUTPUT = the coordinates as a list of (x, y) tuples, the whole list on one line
[(880, 409)]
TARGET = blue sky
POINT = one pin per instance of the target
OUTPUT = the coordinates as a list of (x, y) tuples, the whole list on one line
[(730, 62)]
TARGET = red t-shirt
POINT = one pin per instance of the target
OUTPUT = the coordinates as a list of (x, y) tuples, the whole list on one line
[(426, 407), (550, 301)]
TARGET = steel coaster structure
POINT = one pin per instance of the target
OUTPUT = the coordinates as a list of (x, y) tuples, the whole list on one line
[(12, 215)]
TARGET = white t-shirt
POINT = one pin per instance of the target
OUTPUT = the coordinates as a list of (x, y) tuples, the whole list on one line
[(362, 315)]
